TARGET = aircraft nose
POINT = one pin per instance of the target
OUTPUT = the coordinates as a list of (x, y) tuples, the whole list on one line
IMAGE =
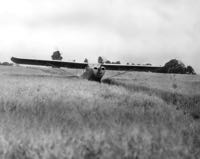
[(99, 72)]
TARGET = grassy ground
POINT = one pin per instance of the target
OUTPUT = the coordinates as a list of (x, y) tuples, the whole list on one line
[(53, 115)]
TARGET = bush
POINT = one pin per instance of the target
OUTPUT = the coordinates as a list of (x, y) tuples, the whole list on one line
[(190, 70)]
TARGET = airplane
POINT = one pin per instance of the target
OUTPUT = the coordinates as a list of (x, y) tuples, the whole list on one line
[(93, 73)]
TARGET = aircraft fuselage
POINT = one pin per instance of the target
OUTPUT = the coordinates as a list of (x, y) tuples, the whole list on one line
[(94, 73)]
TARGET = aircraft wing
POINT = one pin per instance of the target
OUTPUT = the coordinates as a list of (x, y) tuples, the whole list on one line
[(119, 67), (52, 63)]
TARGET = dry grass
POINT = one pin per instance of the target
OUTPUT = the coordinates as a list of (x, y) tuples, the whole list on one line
[(43, 115), (182, 84)]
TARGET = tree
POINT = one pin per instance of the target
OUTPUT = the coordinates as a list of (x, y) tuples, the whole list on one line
[(86, 60), (100, 59), (56, 55), (118, 62), (174, 66), (5, 63), (108, 62), (190, 70), (148, 64)]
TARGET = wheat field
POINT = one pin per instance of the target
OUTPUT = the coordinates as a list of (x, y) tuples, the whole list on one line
[(49, 114)]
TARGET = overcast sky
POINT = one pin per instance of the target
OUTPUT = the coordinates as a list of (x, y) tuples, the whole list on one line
[(138, 31)]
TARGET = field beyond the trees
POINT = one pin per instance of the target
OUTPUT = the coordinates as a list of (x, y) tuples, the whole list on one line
[(47, 113)]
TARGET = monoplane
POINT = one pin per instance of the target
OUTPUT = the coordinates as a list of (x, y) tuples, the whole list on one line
[(94, 73)]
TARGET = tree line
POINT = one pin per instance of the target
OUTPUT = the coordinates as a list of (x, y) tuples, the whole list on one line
[(173, 66)]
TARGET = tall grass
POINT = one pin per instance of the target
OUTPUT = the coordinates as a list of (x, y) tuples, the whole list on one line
[(47, 117), (187, 103)]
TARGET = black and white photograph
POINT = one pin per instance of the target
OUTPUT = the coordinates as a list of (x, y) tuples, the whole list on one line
[(99, 79)]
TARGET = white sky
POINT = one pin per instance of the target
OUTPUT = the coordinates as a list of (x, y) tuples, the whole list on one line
[(138, 31)]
